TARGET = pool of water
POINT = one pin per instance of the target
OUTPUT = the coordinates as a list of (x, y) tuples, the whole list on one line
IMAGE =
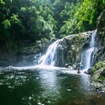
[(46, 86)]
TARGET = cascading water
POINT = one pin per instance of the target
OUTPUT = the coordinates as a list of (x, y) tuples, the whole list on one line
[(88, 55), (51, 55)]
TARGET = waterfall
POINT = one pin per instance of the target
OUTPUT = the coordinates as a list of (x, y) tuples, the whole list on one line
[(92, 41), (51, 55), (87, 57)]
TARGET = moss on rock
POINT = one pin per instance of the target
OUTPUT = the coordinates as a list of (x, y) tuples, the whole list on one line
[(98, 75)]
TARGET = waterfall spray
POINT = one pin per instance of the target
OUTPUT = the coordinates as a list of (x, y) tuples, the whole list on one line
[(51, 55)]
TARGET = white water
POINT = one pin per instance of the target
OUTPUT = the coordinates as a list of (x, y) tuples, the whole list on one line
[(87, 58), (88, 55), (93, 36), (51, 55)]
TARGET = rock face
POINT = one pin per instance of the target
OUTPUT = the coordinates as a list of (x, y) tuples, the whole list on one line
[(98, 75), (100, 38), (69, 50), (25, 56), (18, 59)]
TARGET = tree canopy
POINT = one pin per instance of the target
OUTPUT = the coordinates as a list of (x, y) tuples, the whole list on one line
[(32, 20)]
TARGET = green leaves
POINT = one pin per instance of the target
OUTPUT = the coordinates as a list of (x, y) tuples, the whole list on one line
[(2, 2), (7, 24), (85, 12), (11, 1), (82, 16), (14, 19), (103, 1), (70, 25), (34, 19)]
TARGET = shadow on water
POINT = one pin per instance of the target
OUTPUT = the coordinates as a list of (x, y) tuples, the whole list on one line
[(48, 86)]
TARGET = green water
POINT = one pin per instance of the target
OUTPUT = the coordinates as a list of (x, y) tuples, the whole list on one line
[(46, 87)]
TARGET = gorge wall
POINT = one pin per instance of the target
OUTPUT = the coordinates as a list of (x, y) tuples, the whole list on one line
[(98, 71)]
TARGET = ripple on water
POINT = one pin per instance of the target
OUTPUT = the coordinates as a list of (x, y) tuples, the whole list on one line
[(46, 86)]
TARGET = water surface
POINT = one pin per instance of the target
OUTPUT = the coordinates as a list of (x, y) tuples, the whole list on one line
[(47, 86)]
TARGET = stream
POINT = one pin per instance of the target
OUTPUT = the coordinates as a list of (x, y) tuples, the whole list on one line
[(46, 86)]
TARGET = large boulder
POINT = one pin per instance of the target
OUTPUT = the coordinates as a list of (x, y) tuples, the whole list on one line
[(98, 76), (70, 47)]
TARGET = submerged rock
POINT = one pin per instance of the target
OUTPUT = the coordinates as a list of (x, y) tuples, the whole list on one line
[(89, 71)]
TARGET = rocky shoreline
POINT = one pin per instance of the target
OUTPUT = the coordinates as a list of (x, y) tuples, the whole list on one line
[(98, 77)]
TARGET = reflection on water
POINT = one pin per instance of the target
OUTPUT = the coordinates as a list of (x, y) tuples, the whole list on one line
[(46, 87)]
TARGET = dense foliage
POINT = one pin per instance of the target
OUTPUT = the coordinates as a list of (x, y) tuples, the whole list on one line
[(31, 20), (23, 20), (84, 16)]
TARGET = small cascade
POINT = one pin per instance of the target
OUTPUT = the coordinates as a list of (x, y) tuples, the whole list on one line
[(51, 55), (87, 57)]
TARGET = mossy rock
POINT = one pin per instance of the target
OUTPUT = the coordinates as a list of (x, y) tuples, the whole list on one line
[(98, 75), (98, 65)]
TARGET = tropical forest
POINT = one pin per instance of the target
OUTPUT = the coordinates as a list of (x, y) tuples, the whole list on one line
[(52, 52)]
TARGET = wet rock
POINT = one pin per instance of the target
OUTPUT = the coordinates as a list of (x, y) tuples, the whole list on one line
[(98, 76), (96, 85), (70, 49), (26, 55), (103, 90), (100, 55), (101, 20), (89, 71)]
